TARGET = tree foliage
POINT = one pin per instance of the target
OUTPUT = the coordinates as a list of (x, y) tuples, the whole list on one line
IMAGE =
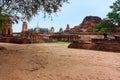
[(114, 15), (25, 9), (106, 26), (2, 21), (31, 30), (43, 30)]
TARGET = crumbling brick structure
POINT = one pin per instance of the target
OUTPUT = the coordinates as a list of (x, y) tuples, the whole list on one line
[(33, 37), (52, 30), (24, 27), (67, 28), (7, 30), (64, 37), (87, 24)]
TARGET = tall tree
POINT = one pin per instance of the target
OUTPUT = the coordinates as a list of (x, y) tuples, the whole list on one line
[(2, 21), (25, 9), (114, 15)]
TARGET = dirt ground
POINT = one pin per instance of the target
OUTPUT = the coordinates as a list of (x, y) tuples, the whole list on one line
[(56, 62)]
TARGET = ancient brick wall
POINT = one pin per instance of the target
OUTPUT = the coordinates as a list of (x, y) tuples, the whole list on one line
[(24, 27), (7, 30), (34, 37), (90, 37), (64, 37), (87, 24), (101, 45)]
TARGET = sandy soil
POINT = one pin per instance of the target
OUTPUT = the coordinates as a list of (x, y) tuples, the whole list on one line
[(56, 62)]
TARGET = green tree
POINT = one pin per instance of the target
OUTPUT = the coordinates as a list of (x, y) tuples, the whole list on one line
[(106, 26), (2, 21), (114, 15), (44, 30), (25, 9), (31, 30)]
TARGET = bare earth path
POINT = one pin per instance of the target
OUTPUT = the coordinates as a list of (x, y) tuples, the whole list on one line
[(56, 62)]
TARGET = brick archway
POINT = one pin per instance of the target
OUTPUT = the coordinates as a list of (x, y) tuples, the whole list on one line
[(9, 31)]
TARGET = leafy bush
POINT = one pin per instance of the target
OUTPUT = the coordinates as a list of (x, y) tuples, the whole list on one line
[(114, 15), (106, 26)]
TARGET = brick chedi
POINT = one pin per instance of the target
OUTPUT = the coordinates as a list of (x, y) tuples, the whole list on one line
[(60, 30), (87, 25), (52, 30), (24, 27), (37, 29), (7, 30), (67, 28)]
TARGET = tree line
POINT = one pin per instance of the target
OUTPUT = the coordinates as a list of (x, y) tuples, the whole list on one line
[(42, 30)]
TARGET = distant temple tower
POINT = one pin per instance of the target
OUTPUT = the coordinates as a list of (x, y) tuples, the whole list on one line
[(24, 27), (60, 30), (37, 29), (67, 28), (7, 30), (52, 30)]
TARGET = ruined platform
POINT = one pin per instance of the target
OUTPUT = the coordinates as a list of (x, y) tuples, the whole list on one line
[(101, 45)]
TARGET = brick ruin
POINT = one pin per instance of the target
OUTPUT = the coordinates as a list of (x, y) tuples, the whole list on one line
[(52, 30), (7, 30), (63, 37), (94, 41), (70, 37), (66, 35), (84, 30), (31, 37), (67, 28), (81, 36), (87, 24), (23, 37), (24, 27), (60, 30), (112, 45), (37, 29)]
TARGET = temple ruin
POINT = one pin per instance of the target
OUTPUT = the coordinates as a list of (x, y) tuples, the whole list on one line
[(7, 30), (81, 36), (67, 28), (52, 30), (37, 29), (61, 30), (87, 24), (24, 27)]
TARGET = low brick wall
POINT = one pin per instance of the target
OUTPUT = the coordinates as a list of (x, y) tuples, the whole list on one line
[(90, 37), (20, 40), (105, 41), (113, 47), (14, 40), (64, 37)]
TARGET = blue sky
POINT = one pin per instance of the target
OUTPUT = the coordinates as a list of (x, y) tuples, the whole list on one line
[(71, 14)]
